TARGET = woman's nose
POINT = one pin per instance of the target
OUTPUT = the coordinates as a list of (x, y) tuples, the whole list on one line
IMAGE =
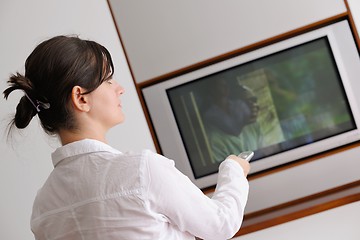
[(121, 90)]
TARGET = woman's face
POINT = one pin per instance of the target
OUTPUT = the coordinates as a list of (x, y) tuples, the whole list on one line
[(106, 108)]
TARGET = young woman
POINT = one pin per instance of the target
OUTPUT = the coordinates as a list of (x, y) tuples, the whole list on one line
[(96, 191)]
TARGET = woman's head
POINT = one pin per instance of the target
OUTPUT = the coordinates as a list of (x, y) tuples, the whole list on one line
[(52, 70)]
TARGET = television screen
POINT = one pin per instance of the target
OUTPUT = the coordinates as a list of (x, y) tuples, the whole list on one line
[(285, 101), (269, 105)]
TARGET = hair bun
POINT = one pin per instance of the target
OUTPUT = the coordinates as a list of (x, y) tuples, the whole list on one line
[(24, 113)]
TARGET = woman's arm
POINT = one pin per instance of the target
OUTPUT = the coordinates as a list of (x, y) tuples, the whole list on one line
[(172, 194)]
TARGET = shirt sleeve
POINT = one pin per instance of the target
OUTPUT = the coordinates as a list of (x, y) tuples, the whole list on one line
[(172, 194)]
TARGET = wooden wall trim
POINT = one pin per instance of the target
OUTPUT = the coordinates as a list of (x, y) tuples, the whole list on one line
[(292, 164), (304, 160), (243, 50), (121, 42), (352, 23), (138, 89), (300, 208)]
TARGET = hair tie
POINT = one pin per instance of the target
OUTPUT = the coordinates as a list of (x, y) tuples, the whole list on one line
[(38, 103)]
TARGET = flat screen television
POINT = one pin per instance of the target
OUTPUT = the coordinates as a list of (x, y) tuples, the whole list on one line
[(285, 101)]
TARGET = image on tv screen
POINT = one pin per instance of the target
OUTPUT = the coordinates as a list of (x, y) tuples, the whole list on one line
[(269, 105)]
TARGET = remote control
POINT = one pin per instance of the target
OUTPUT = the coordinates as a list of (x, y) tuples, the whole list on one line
[(246, 155)]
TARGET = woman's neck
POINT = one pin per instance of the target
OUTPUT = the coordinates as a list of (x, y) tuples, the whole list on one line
[(69, 136)]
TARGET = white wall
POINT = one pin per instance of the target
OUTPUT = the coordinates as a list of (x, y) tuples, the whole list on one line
[(25, 163), (161, 36), (340, 223)]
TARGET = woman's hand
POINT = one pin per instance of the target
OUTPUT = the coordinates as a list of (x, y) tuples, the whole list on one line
[(243, 163)]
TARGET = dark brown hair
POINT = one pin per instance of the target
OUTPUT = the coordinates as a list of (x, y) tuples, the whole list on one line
[(51, 71)]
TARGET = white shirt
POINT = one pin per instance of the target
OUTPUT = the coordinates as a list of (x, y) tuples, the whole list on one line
[(97, 192)]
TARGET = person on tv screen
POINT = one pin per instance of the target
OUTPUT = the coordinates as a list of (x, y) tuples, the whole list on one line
[(230, 118), (94, 190)]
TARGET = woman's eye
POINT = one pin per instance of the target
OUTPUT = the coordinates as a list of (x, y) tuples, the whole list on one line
[(109, 81)]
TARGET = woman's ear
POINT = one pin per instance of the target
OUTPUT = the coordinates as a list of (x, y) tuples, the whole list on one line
[(79, 100)]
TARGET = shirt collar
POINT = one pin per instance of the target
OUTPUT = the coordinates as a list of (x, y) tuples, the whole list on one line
[(80, 147)]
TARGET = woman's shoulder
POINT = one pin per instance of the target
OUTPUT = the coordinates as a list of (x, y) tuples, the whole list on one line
[(152, 163), (155, 158), (148, 158)]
